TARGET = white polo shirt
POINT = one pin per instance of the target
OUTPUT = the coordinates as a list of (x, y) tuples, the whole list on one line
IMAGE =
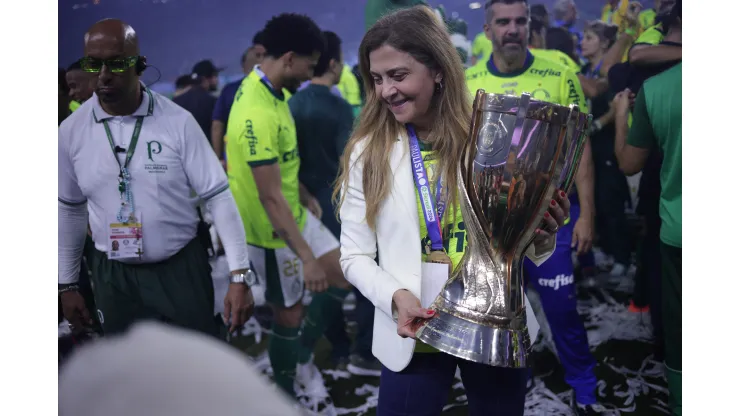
[(172, 158)]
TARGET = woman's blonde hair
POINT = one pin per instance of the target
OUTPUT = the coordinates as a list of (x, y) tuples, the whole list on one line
[(418, 32)]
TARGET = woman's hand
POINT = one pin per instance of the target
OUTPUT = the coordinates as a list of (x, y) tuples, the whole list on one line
[(555, 217), (409, 310)]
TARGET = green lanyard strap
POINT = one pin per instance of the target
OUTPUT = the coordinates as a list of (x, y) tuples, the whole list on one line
[(124, 177)]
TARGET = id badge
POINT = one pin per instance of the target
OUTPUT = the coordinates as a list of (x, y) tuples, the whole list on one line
[(433, 279), (125, 240)]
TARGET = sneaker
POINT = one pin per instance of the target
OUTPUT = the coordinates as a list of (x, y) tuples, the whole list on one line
[(311, 390), (340, 363), (359, 366), (586, 409), (618, 270), (637, 309)]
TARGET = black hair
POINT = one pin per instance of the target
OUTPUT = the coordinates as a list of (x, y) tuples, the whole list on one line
[(257, 39), (560, 39), (539, 12), (490, 3), (333, 51), (76, 65), (291, 32), (536, 26), (183, 81), (674, 16)]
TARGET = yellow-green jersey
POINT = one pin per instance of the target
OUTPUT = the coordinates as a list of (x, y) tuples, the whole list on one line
[(349, 87), (652, 36), (482, 47), (646, 18), (545, 80), (555, 55), (261, 132), (453, 236)]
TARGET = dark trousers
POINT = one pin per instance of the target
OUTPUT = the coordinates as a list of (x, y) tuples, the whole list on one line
[(671, 266), (611, 192), (647, 291), (177, 291), (336, 331), (422, 388)]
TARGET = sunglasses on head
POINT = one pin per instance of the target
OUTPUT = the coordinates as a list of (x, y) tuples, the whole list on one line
[(89, 64)]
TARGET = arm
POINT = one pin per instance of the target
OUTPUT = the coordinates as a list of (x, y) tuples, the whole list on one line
[(359, 245), (220, 118), (585, 183), (72, 216), (218, 130), (643, 54), (632, 152), (269, 187), (207, 178), (615, 54), (593, 87)]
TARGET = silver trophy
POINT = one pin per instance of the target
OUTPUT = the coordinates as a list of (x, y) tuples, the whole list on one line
[(520, 151)]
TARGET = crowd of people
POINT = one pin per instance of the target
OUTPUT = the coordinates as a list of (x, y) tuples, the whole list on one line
[(299, 174)]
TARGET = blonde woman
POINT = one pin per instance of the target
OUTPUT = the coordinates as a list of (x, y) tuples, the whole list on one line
[(417, 104)]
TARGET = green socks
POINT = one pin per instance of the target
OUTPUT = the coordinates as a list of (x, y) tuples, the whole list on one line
[(674, 389), (322, 307), (283, 356)]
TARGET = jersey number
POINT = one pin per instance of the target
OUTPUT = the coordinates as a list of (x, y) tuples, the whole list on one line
[(291, 268)]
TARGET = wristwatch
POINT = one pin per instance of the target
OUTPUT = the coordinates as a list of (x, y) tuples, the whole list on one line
[(249, 278)]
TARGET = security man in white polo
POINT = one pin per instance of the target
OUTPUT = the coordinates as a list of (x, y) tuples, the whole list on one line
[(129, 159)]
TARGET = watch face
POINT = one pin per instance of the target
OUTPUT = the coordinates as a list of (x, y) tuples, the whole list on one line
[(250, 278)]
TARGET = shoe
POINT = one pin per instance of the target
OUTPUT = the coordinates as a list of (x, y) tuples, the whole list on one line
[(586, 409), (311, 390), (341, 363), (618, 270), (637, 309), (359, 366)]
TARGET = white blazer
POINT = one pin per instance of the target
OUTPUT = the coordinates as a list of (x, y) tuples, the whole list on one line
[(397, 239)]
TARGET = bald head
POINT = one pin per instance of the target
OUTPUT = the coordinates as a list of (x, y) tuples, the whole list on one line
[(112, 35)]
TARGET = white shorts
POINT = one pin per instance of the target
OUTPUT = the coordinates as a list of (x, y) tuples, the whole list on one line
[(281, 272)]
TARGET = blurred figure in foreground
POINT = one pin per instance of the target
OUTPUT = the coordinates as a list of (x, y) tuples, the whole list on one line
[(155, 369)]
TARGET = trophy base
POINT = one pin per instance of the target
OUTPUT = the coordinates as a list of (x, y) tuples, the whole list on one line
[(497, 347)]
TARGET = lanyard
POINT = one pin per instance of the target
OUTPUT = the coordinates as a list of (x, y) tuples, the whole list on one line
[(124, 178), (263, 77), (594, 73), (431, 217)]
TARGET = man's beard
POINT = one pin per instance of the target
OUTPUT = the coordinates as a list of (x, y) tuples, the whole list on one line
[(292, 85), (508, 53)]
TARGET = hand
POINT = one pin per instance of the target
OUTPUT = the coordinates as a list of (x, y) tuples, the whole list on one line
[(75, 311), (238, 305), (314, 276), (409, 309), (583, 235), (313, 205), (555, 217), (631, 17), (623, 101)]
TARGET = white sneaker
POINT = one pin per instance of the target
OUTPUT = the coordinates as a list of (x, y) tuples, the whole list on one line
[(618, 270)]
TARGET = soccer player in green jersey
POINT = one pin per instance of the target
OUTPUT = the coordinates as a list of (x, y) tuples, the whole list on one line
[(288, 245), (512, 69)]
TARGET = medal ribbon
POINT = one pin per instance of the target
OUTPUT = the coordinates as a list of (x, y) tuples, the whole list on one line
[(431, 216), (124, 177)]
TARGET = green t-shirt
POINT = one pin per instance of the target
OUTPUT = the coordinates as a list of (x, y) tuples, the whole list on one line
[(261, 132), (375, 9), (646, 18), (656, 121), (350, 87), (454, 238)]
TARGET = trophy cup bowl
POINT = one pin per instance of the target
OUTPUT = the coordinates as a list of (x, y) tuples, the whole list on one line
[(519, 151)]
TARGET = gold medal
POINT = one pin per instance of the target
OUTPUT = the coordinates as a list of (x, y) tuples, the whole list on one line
[(440, 257)]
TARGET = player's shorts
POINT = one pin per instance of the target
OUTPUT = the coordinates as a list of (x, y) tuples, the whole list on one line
[(281, 271)]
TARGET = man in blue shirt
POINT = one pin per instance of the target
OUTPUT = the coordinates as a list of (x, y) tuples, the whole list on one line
[(250, 58)]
